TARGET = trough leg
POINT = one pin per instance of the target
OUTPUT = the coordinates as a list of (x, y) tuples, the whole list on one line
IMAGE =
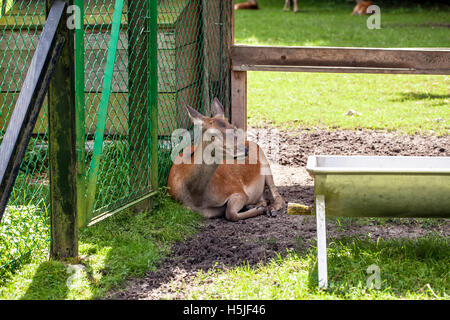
[(321, 242)]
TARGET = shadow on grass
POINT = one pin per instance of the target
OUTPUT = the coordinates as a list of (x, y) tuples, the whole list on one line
[(49, 282), (416, 96), (417, 25), (406, 266), (122, 246), (132, 246)]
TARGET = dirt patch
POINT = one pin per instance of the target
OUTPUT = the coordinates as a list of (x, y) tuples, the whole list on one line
[(296, 146), (221, 244)]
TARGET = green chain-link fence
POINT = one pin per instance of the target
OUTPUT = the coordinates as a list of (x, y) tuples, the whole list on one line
[(24, 228), (191, 39)]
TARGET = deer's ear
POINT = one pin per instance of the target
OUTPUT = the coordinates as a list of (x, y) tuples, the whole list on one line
[(217, 108), (195, 116)]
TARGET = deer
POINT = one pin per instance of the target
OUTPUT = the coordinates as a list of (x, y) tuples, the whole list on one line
[(361, 7), (250, 4), (234, 189), (253, 4), (288, 5)]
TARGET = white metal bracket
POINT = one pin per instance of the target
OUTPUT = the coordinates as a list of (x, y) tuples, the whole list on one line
[(321, 242)]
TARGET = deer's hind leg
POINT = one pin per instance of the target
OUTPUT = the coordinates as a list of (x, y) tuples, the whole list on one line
[(295, 6), (277, 202), (238, 201)]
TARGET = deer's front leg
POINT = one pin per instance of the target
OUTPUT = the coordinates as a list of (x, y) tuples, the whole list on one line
[(295, 6), (286, 5)]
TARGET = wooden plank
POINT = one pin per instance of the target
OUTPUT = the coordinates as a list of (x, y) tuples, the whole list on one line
[(239, 99), (341, 60), (95, 14), (170, 110), (11, 76), (243, 59), (62, 154), (96, 43), (330, 69), (228, 9), (28, 104)]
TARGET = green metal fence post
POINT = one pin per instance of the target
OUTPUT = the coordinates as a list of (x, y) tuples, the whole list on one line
[(153, 92), (103, 108), (62, 155), (80, 116)]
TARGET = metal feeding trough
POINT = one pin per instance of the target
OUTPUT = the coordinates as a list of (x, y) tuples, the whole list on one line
[(367, 186)]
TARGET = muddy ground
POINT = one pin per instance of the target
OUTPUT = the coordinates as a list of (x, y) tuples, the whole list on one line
[(220, 243)]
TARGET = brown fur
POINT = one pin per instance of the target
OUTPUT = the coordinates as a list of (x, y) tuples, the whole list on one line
[(246, 5), (236, 176), (361, 7), (215, 190)]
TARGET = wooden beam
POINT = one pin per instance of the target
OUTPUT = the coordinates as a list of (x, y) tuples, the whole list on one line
[(28, 105), (341, 60), (62, 135), (239, 99)]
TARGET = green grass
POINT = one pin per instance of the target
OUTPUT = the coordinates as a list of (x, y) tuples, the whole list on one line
[(407, 103), (115, 180), (411, 104), (129, 245), (24, 233), (124, 245), (24, 229), (329, 23), (409, 269)]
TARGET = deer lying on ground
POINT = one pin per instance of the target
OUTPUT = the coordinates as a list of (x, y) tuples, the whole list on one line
[(361, 7), (217, 189), (288, 5)]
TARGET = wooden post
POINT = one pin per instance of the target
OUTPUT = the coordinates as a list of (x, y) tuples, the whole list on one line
[(205, 57), (239, 99), (227, 9), (62, 154), (238, 88)]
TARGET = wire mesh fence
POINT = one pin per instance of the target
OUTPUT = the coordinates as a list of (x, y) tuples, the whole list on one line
[(24, 228), (186, 44)]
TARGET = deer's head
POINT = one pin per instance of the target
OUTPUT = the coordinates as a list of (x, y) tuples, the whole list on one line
[(221, 141)]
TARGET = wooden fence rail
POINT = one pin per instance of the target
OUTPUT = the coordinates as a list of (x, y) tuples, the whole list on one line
[(327, 59)]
